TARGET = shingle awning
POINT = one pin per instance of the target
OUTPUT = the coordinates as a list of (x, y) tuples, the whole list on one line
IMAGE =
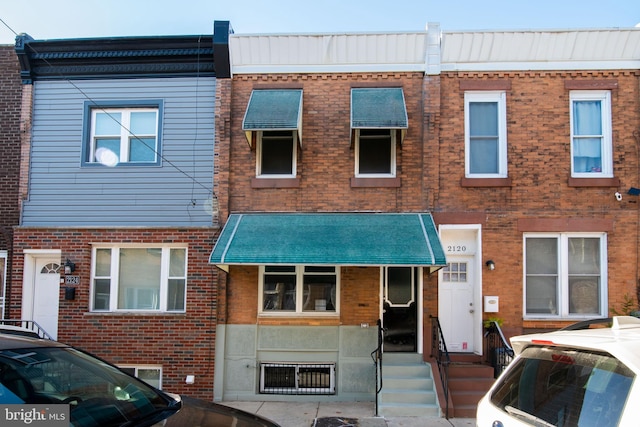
[(379, 108), (273, 109), (367, 239)]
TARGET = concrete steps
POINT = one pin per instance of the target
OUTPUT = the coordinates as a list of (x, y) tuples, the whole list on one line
[(469, 380), (407, 387)]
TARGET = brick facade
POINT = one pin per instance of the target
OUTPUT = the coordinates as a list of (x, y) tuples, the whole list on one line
[(183, 344), (10, 98), (540, 196)]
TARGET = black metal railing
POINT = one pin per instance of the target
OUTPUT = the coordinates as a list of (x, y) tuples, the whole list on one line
[(441, 354), (376, 355), (23, 327), (499, 352)]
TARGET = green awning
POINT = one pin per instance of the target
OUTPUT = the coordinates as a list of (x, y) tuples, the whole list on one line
[(373, 108), (407, 239), (273, 109)]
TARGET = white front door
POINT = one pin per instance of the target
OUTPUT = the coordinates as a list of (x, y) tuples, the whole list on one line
[(41, 294), (456, 303)]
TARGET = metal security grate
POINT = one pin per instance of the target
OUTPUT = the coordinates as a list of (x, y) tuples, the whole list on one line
[(293, 378)]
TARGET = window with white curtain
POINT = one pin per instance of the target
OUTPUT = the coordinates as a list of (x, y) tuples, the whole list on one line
[(565, 275), (139, 279), (485, 134), (591, 144)]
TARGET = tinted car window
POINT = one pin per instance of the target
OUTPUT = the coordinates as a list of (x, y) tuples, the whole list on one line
[(564, 387), (98, 393)]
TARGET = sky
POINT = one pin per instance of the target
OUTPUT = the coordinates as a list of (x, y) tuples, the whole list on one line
[(55, 19)]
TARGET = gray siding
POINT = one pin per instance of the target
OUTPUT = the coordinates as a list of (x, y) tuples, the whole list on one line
[(64, 193)]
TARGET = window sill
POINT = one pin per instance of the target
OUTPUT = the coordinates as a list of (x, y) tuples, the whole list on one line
[(485, 182), (594, 182), (375, 182), (135, 313), (275, 182)]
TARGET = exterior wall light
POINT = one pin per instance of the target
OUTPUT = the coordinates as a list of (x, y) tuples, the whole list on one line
[(490, 265), (69, 267)]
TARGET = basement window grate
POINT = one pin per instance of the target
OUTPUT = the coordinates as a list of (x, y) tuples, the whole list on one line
[(297, 378)]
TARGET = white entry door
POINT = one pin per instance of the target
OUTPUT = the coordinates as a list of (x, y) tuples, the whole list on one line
[(45, 295), (456, 304)]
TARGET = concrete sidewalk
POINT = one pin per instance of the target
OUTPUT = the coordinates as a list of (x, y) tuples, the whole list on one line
[(335, 414)]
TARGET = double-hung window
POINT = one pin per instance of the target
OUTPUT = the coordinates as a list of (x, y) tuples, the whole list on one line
[(375, 153), (289, 289), (276, 153), (565, 275), (485, 134), (123, 135), (273, 122), (152, 278), (378, 122), (591, 143)]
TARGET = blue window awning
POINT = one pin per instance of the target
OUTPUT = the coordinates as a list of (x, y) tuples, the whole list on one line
[(273, 109), (407, 239)]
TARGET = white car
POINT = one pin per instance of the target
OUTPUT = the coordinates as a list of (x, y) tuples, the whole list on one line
[(571, 377)]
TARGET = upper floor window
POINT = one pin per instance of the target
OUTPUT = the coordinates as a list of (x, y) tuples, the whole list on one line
[(150, 278), (591, 143), (565, 275), (375, 153), (123, 135), (378, 122), (276, 154), (485, 135), (289, 289), (273, 124)]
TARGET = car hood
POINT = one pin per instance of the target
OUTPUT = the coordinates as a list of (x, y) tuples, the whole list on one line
[(200, 413)]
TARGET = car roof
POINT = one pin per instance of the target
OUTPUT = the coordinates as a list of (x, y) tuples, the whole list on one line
[(10, 341), (621, 339)]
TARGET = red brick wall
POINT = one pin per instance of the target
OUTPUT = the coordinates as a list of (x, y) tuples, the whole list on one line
[(539, 167), (326, 161), (10, 98), (182, 343)]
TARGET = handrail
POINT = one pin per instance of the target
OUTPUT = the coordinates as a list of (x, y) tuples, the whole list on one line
[(499, 351), (442, 357), (25, 327), (376, 355)]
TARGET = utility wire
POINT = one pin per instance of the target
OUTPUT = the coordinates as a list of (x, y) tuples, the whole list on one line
[(96, 104)]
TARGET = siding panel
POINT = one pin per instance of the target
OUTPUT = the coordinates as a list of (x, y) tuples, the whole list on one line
[(62, 192)]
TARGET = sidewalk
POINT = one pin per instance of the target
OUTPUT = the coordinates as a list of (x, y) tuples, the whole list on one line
[(335, 414)]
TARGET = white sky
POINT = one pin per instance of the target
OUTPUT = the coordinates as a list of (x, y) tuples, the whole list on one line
[(54, 19)]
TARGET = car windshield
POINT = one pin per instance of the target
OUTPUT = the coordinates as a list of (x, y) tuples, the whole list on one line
[(564, 387), (98, 394)]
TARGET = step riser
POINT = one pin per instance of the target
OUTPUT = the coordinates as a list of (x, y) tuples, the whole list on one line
[(406, 371), (404, 397), (403, 383), (408, 411), (470, 384)]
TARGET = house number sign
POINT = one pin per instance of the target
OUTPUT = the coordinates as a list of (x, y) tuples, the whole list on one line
[(71, 280)]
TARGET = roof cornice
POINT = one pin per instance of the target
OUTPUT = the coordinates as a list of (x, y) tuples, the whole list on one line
[(121, 57)]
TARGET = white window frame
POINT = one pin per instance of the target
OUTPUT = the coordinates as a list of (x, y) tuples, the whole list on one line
[(392, 166), (137, 368), (499, 97), (114, 278), (294, 153), (125, 134), (604, 96), (299, 274), (563, 276)]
